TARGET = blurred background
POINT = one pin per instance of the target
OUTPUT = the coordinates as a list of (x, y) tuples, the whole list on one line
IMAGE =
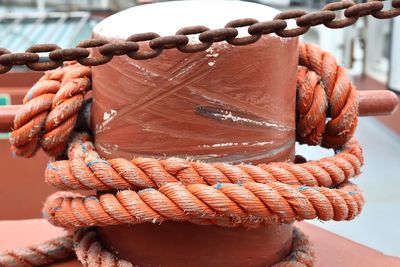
[(369, 50)]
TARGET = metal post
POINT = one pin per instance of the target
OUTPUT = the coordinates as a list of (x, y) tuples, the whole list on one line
[(41, 6)]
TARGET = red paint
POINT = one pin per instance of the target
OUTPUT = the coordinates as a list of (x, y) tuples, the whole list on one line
[(239, 109), (331, 249), (186, 244), (256, 81)]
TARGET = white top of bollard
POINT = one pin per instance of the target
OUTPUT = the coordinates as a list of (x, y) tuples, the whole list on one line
[(168, 17)]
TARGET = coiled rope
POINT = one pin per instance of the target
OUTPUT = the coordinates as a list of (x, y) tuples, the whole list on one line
[(152, 190), (50, 111), (45, 253), (86, 170)]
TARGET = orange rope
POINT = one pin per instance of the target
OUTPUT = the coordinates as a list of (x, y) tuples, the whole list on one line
[(177, 189), (50, 111), (250, 204), (45, 253), (86, 170), (152, 190), (339, 99), (90, 252)]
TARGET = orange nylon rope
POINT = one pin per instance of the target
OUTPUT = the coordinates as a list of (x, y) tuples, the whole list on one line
[(37, 255), (86, 170), (339, 99), (217, 193), (50, 111), (151, 190)]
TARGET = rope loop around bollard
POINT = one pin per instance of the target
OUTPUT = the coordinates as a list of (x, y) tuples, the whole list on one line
[(151, 190)]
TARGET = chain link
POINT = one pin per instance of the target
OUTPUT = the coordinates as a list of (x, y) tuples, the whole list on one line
[(5, 67), (94, 61), (267, 27), (194, 47), (118, 49), (387, 14), (147, 53), (193, 39), (316, 18), (363, 9), (69, 54), (169, 42), (254, 37), (341, 23), (45, 65), (292, 14)]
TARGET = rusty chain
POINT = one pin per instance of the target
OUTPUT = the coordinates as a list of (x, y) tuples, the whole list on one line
[(149, 45)]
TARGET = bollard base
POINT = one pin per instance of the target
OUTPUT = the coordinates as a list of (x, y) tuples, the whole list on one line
[(330, 249)]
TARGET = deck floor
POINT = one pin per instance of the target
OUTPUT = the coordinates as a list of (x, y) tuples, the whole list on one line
[(378, 225)]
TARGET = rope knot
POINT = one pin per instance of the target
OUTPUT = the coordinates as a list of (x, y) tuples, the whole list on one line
[(50, 111), (323, 88)]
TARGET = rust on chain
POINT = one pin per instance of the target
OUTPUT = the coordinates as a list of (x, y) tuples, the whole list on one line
[(196, 47), (254, 37), (19, 58), (387, 14), (316, 18), (5, 67), (45, 65), (267, 27), (102, 59), (69, 54), (169, 42), (218, 35), (118, 49), (363, 9), (151, 52), (144, 46), (341, 23), (292, 14)]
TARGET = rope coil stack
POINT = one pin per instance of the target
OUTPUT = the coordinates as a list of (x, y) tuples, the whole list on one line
[(151, 190)]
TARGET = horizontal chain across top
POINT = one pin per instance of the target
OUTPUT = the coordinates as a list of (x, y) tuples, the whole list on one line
[(149, 45)]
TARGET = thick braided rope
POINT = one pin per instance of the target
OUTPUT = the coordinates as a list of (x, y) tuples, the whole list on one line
[(86, 170), (249, 204), (50, 108), (54, 250), (324, 88), (90, 251), (302, 254), (50, 111)]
